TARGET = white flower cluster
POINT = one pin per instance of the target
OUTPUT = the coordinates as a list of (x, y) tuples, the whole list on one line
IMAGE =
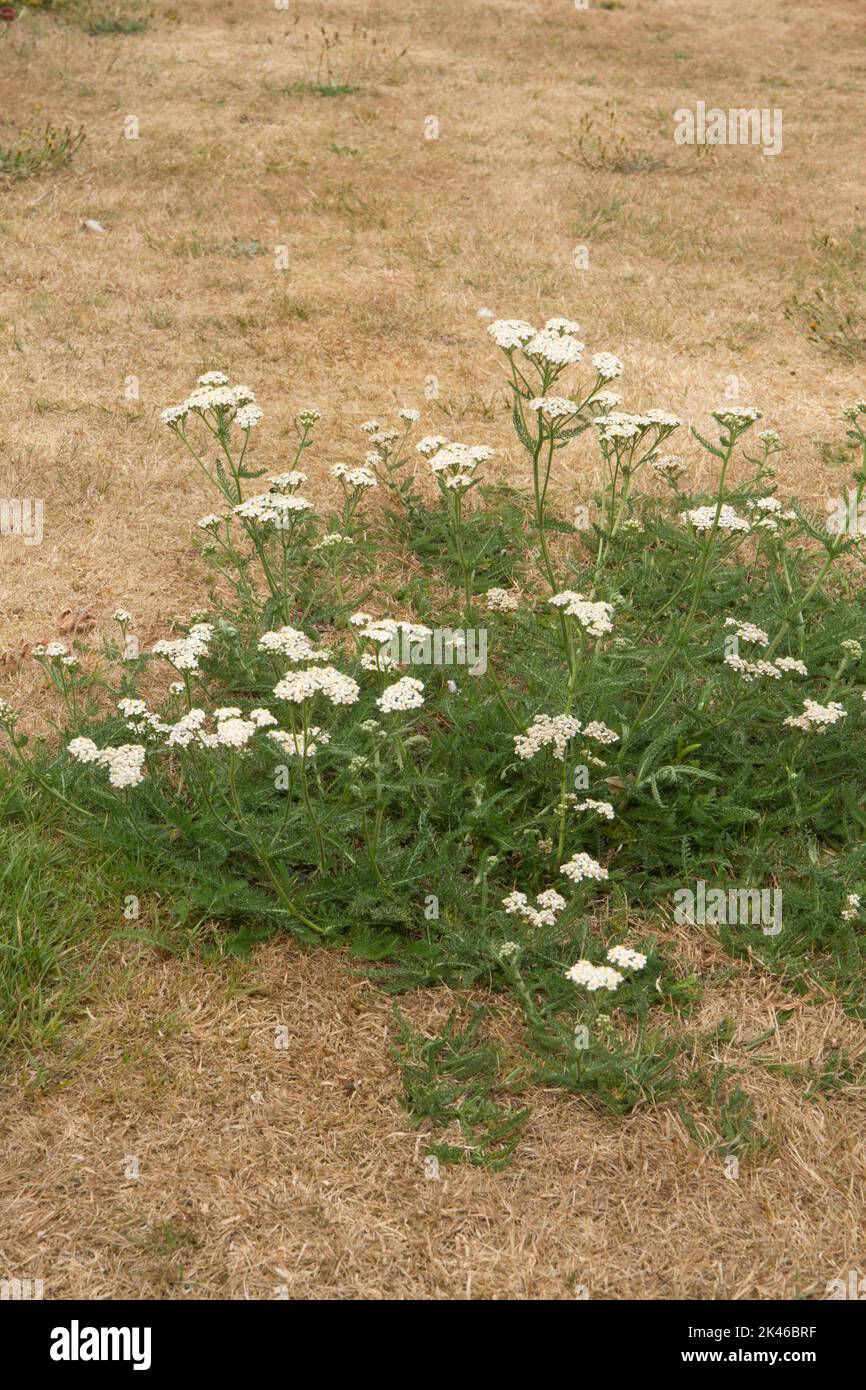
[(548, 906), (214, 396), (581, 866), (667, 466), (753, 670), (626, 958), (851, 908), (125, 764), (402, 695), (500, 601), (293, 644), (702, 518), (554, 407), (184, 653), (54, 651), (736, 417), (597, 618), (595, 977), (815, 717), (303, 744), (454, 464), (601, 808), (278, 509), (747, 632), (288, 482), (298, 686), (359, 478), (545, 730)]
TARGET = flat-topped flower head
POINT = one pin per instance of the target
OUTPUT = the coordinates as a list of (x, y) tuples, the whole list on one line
[(276, 509), (500, 601), (247, 416), (410, 416), (288, 482), (293, 644), (510, 333), (563, 326), (554, 407), (600, 808), (595, 617), (747, 632), (703, 518), (430, 444), (737, 417), (554, 349), (607, 366), (298, 686), (548, 906), (582, 866), (404, 694), (626, 958), (234, 732), (547, 731), (301, 744), (594, 977), (125, 763), (817, 718)]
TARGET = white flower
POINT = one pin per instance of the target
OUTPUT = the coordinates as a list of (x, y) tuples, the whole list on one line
[(736, 417), (410, 416), (601, 808), (600, 732), (209, 522), (404, 694), (667, 466), (557, 349), (817, 717), (544, 731), (430, 444), (287, 482), (326, 680), (595, 617), (581, 866), (555, 407), (594, 977), (262, 718), (125, 764), (293, 644), (702, 518), (607, 365), (83, 750), (235, 733), (510, 333), (121, 616), (663, 419), (852, 909), (213, 379), (500, 601), (626, 958), (309, 417), (299, 746), (549, 904), (747, 632), (559, 325), (247, 416)]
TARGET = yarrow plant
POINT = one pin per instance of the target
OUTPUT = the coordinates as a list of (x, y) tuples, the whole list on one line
[(674, 692)]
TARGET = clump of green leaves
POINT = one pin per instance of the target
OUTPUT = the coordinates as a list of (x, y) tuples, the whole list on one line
[(32, 154)]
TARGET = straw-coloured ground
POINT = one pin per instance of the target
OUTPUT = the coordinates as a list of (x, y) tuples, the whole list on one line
[(296, 226)]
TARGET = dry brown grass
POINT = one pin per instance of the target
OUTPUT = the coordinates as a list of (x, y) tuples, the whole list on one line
[(319, 1185), (261, 1168)]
